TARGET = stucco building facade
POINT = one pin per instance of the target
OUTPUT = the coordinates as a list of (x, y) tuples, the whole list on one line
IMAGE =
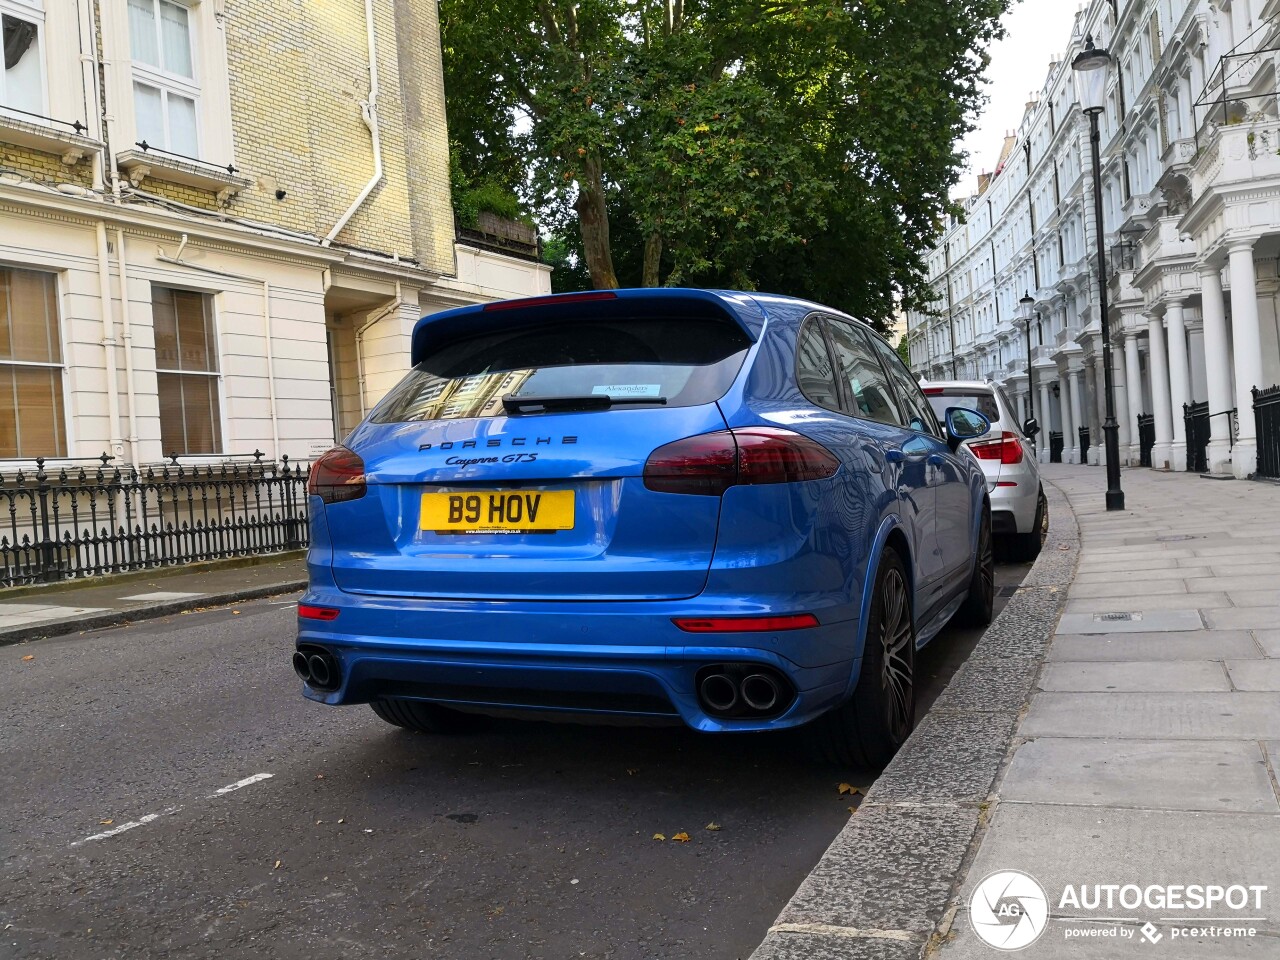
[(219, 221), (1191, 222)]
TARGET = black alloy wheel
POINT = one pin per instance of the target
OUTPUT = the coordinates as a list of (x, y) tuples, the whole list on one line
[(867, 730), (979, 606)]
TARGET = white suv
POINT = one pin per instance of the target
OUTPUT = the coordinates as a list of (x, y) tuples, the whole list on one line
[(1007, 456)]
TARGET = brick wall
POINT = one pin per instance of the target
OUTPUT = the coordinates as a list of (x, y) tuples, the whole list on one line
[(298, 73)]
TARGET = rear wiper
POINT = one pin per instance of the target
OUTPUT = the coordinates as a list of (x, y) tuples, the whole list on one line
[(592, 401)]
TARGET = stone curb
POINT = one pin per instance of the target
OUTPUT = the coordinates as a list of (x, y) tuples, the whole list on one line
[(884, 889), (114, 618)]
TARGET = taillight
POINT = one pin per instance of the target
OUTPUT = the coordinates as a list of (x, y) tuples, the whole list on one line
[(309, 612), (1006, 448), (791, 621), (711, 463), (337, 476)]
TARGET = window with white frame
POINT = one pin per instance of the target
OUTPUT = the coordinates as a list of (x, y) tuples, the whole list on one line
[(186, 371), (22, 79), (165, 89), (32, 421)]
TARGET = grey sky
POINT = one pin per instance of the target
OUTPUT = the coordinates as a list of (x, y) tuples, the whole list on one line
[(1038, 31)]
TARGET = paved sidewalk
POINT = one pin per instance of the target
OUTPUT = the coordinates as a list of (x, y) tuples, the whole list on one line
[(27, 613), (1149, 752)]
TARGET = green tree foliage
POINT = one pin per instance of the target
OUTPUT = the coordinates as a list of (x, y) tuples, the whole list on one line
[(804, 147), (904, 350)]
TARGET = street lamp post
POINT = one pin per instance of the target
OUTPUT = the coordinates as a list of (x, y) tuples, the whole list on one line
[(1026, 302), (1090, 69)]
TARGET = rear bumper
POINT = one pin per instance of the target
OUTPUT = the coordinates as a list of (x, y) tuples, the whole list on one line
[(1013, 509), (602, 659)]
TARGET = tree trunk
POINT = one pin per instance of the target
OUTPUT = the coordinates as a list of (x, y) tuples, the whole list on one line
[(652, 259), (593, 221)]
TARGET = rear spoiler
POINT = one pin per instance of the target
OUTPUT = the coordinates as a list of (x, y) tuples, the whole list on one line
[(437, 329)]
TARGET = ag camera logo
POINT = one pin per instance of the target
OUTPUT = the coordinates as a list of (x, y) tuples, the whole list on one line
[(1009, 910)]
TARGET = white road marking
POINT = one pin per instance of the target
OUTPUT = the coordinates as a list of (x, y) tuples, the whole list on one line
[(140, 822), (232, 787)]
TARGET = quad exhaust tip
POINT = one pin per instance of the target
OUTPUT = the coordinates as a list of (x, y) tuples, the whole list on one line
[(318, 668), (743, 691)]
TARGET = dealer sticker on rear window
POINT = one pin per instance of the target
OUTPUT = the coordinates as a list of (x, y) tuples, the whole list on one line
[(629, 390)]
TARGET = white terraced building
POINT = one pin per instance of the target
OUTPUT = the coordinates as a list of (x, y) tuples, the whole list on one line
[(1191, 199)]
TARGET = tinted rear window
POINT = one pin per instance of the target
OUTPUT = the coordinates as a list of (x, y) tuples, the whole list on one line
[(983, 403), (668, 361)]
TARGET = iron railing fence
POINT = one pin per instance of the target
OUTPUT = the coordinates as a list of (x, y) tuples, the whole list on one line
[(1266, 413), (73, 522), (1195, 419), (1146, 437), (1084, 444), (1055, 447)]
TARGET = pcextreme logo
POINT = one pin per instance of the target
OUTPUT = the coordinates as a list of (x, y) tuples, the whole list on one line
[(1009, 910)]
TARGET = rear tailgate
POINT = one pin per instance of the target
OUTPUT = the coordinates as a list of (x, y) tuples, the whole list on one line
[(509, 464)]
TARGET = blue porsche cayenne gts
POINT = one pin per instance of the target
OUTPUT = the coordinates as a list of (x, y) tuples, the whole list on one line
[(732, 510)]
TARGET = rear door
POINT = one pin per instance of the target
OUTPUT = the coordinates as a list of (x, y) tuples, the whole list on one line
[(870, 396), (509, 465)]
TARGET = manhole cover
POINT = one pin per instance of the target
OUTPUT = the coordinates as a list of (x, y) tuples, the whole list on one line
[(1177, 537), (1116, 617)]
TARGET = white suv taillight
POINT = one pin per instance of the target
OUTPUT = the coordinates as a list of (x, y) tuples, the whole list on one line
[(1006, 448)]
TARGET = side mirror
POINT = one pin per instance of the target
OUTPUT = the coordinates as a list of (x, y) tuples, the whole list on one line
[(964, 425), (1030, 427)]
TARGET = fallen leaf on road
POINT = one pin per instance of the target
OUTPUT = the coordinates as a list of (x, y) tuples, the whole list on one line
[(681, 837), (659, 836), (845, 788), (713, 826), (319, 776), (29, 656), (106, 823), (632, 771), (277, 866), (340, 820), (853, 809), (236, 612)]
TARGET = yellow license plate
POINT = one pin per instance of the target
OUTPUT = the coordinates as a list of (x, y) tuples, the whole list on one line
[(497, 511)]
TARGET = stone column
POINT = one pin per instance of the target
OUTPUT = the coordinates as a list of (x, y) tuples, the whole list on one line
[(1069, 412), (1217, 369), (1179, 374), (1195, 362), (1022, 409), (1046, 418), (1161, 452), (1248, 354), (1133, 381), (1075, 378), (1121, 383)]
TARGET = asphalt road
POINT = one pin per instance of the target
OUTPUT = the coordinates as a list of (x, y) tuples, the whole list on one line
[(244, 821)]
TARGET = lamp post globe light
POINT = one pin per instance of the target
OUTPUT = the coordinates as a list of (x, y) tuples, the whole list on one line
[(1090, 72)]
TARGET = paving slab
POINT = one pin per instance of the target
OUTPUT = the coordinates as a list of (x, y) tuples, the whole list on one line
[(1243, 618), (1055, 944), (1211, 775), (1126, 588), (1255, 674), (1092, 565), (1269, 640), (1167, 573), (1135, 676), (1254, 598), (1147, 621), (1060, 844), (1188, 645), (1148, 716), (1150, 604), (1235, 584)]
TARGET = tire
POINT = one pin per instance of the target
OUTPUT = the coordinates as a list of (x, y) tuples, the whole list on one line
[(1026, 546), (423, 717), (867, 730), (979, 603)]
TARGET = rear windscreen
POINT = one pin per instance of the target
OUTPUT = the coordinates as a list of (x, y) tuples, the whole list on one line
[(670, 362), (983, 403)]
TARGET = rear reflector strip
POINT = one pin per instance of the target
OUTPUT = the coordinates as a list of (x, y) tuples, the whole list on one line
[(794, 621), (544, 301), (307, 612), (1006, 483)]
